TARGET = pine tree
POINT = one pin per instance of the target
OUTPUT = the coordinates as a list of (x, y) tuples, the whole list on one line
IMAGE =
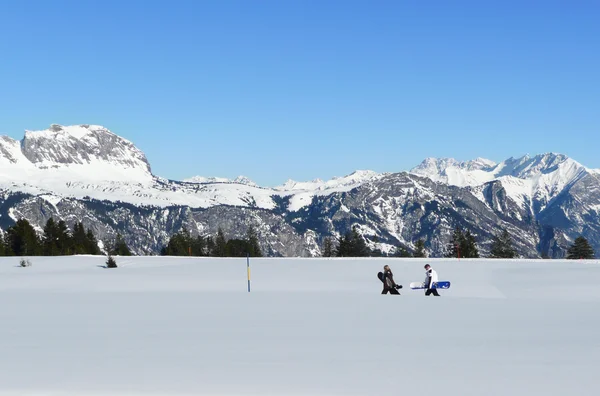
[(111, 262), (462, 245), (580, 249), (401, 251), (328, 249), (352, 244), (183, 244), (3, 248), (79, 239), (420, 249), (469, 248), (344, 247), (91, 243), (22, 239), (502, 246), (252, 240), (180, 244), (455, 244), (220, 244), (5, 245), (50, 238), (64, 241), (198, 245), (120, 247), (210, 246), (359, 247), (236, 248)]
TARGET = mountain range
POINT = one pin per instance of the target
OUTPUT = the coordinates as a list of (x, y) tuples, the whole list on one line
[(87, 173)]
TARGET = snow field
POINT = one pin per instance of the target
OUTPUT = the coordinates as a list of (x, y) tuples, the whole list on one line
[(187, 326)]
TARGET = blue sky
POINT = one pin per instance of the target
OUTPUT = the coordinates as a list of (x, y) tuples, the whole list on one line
[(305, 89)]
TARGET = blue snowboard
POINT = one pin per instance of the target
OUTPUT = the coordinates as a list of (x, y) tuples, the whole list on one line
[(436, 285)]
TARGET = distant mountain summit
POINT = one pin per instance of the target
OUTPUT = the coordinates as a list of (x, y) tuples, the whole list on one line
[(479, 171), (238, 180), (88, 151)]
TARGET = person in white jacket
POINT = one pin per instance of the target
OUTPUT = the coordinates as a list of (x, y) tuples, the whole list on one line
[(431, 277)]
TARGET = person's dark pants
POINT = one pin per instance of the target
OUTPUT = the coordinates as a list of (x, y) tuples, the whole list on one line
[(392, 291), (432, 291)]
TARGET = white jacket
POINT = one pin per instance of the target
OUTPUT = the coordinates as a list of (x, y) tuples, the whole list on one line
[(430, 277)]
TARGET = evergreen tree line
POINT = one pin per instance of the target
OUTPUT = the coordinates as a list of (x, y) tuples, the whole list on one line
[(21, 239), (57, 239), (462, 245), (184, 244), (353, 244)]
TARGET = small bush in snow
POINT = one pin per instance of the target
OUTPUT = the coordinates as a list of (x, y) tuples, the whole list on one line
[(25, 263), (111, 263)]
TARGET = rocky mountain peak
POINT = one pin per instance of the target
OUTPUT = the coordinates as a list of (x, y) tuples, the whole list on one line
[(526, 166), (61, 145)]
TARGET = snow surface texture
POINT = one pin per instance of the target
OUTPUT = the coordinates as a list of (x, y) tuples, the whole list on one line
[(187, 326)]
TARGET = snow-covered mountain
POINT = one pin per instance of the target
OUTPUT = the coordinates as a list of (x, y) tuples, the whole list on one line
[(90, 161), (88, 151), (526, 179), (451, 171), (87, 172), (480, 171)]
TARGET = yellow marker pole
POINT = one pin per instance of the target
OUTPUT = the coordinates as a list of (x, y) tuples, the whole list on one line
[(248, 265)]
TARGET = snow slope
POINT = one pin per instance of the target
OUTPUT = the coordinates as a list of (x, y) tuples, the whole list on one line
[(302, 193), (187, 326)]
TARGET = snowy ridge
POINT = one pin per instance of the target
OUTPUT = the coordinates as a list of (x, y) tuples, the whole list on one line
[(204, 180), (90, 161), (472, 173), (525, 179), (355, 178), (302, 193)]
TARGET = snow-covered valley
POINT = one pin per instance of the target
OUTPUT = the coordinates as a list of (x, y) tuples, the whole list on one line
[(188, 326)]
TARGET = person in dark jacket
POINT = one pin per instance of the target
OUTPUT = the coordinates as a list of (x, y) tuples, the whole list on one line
[(388, 282)]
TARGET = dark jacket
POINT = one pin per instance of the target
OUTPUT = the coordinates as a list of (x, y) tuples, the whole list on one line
[(388, 280)]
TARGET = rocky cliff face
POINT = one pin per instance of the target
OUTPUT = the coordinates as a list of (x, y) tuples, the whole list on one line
[(147, 229), (81, 145)]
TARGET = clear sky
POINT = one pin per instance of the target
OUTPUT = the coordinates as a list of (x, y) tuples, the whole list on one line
[(304, 89)]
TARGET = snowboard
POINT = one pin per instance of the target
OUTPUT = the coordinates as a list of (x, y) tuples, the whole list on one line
[(436, 285), (382, 279)]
